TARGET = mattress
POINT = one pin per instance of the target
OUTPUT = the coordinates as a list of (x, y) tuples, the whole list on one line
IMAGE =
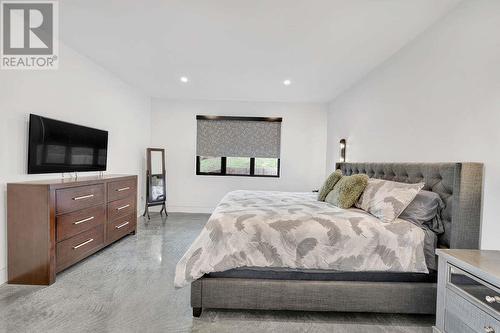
[(323, 275)]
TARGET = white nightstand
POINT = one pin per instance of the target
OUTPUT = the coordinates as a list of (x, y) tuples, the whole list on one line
[(468, 298)]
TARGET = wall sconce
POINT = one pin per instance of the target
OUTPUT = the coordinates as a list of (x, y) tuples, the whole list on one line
[(343, 145)]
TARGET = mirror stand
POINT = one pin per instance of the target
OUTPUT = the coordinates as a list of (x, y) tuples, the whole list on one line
[(156, 181), (163, 209)]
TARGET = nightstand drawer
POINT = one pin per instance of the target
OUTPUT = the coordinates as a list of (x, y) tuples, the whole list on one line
[(469, 315), (475, 287), (453, 324)]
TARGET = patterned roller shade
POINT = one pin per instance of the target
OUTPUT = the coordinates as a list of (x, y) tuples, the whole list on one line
[(238, 137)]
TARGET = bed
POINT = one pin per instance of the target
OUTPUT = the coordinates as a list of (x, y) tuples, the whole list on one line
[(260, 283)]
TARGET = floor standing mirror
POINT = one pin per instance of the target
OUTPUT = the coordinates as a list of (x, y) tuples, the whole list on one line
[(156, 182)]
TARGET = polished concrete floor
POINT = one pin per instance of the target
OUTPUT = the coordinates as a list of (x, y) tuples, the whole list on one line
[(128, 287)]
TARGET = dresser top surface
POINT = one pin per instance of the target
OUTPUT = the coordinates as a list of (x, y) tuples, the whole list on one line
[(483, 263), (73, 181)]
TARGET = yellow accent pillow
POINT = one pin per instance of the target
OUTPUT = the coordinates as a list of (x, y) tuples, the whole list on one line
[(347, 191), (329, 184)]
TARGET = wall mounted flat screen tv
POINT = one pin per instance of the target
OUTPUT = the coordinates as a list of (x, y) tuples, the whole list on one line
[(57, 147)]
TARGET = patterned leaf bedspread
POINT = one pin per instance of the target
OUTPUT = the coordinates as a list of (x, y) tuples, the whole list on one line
[(294, 230)]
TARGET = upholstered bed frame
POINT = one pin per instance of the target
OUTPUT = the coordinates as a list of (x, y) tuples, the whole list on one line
[(460, 187)]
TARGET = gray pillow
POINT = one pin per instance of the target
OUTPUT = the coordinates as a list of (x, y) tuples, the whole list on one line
[(425, 209)]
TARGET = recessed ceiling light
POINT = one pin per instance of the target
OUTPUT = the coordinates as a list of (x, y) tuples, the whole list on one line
[(287, 82), (184, 79)]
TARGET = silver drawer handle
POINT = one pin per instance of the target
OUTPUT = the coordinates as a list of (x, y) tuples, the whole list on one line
[(123, 189), (84, 220), (83, 244), (489, 329), (121, 225), (490, 299), (123, 207), (84, 197)]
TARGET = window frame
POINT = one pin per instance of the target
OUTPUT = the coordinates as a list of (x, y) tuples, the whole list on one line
[(224, 165)]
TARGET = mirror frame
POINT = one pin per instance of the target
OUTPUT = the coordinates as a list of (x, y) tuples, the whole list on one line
[(150, 175)]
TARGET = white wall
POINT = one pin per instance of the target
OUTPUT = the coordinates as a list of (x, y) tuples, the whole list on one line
[(80, 92), (438, 99), (302, 150)]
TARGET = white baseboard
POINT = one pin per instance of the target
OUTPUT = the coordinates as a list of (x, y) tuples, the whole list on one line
[(181, 209), (3, 275), (190, 209)]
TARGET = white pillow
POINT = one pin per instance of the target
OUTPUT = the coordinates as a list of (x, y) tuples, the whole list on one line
[(387, 199)]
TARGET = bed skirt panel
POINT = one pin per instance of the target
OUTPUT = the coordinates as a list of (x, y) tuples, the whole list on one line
[(342, 296)]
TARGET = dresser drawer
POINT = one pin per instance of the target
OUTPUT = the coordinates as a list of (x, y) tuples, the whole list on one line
[(121, 208), (121, 189), (69, 225), (476, 288), (474, 318), (78, 247), (120, 227), (76, 198)]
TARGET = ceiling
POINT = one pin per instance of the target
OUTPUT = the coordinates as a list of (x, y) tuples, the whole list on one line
[(244, 49)]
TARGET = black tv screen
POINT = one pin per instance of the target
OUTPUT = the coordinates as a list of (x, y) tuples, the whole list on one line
[(57, 147)]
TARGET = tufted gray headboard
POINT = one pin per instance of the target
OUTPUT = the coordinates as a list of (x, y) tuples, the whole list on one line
[(458, 184)]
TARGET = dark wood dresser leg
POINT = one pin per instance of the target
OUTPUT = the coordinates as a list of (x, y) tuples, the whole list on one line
[(197, 312)]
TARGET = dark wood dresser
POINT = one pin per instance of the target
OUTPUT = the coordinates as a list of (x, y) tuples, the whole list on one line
[(53, 224)]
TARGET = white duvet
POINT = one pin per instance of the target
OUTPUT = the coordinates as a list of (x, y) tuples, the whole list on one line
[(294, 230)]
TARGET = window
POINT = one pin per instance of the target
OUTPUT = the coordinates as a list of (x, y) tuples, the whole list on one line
[(238, 146), (210, 165), (238, 166), (266, 166)]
